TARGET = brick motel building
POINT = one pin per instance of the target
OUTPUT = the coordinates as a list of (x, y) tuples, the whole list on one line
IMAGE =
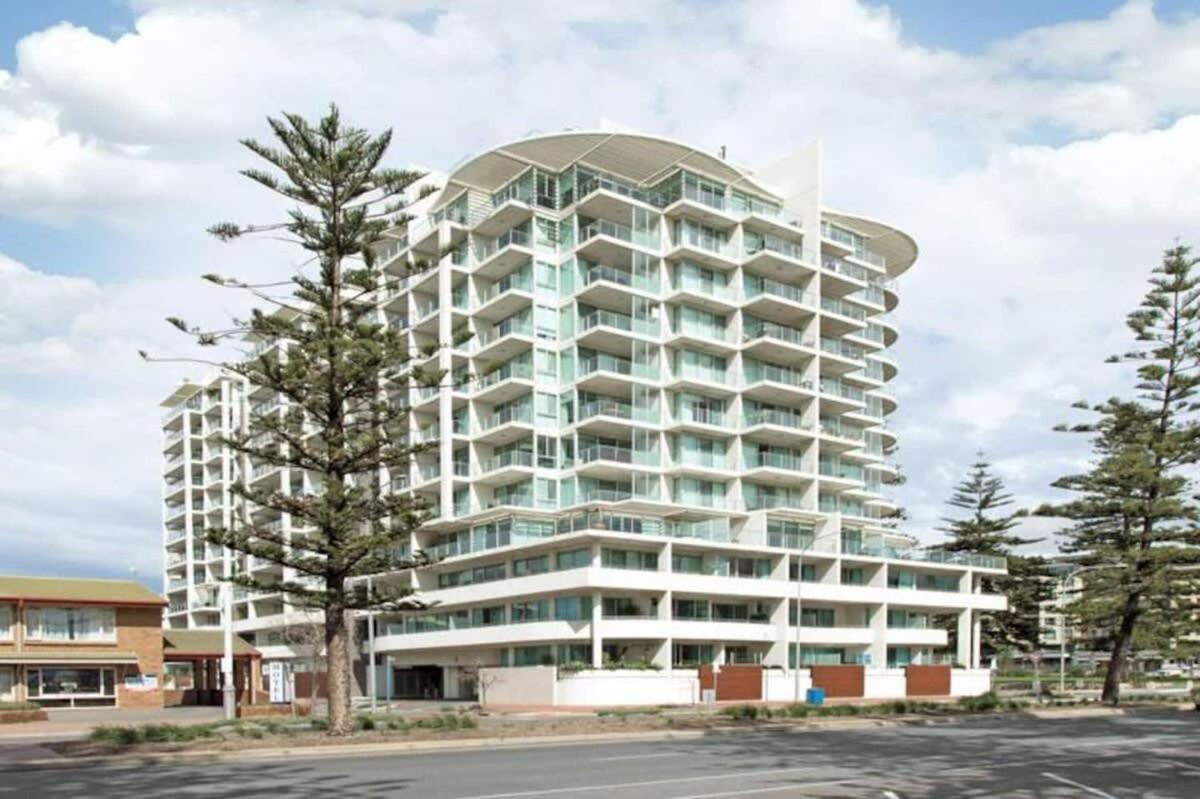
[(68, 643)]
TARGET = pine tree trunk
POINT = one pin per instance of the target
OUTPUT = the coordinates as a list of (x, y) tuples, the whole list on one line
[(1116, 662), (341, 721)]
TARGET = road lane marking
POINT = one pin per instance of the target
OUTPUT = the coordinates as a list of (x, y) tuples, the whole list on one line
[(1190, 768), (638, 757), (1079, 785), (795, 786), (644, 784)]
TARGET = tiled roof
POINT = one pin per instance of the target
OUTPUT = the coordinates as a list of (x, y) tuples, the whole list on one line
[(70, 589)]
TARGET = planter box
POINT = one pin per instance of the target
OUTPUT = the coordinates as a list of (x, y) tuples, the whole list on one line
[(21, 716)]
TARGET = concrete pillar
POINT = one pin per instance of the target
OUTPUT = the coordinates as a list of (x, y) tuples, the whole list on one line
[(975, 641), (597, 641), (965, 630), (878, 648)]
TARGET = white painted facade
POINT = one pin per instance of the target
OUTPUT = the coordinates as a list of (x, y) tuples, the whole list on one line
[(665, 413)]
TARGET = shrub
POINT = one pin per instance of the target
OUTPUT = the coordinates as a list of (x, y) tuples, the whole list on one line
[(980, 704), (629, 711), (19, 706), (152, 733), (740, 712)]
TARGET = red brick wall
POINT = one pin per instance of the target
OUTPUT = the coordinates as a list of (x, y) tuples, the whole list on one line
[(838, 681), (139, 630), (734, 683), (927, 680)]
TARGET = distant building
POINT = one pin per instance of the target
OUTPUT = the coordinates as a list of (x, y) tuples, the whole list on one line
[(80, 643)]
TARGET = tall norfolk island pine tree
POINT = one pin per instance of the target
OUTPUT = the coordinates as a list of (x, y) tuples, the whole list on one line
[(987, 530), (337, 424), (1134, 520)]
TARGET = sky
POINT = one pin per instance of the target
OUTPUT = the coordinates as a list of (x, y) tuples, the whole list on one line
[(1043, 155)]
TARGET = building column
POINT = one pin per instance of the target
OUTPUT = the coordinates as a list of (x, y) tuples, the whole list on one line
[(965, 628), (878, 648), (975, 641), (597, 641)]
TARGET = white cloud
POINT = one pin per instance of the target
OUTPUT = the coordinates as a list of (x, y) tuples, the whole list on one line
[(1031, 254)]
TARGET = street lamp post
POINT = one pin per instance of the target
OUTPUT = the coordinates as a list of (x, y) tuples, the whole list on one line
[(800, 610), (1062, 621), (229, 697)]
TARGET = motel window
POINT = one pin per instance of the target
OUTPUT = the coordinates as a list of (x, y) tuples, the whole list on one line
[(68, 682), (6, 622), (71, 624)]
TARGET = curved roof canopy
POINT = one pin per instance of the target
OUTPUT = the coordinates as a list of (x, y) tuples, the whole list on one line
[(638, 158), (893, 244)]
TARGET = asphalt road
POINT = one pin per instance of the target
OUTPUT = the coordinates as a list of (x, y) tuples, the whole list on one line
[(1148, 754)]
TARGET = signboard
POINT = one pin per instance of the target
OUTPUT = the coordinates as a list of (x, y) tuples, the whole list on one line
[(277, 682), (141, 682)]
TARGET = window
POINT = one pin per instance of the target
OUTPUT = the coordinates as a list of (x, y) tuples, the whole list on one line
[(536, 565), (792, 535), (691, 655), (479, 574), (572, 559), (808, 573), (629, 559), (533, 656), (743, 567), (689, 609), (573, 608), (66, 682), (6, 617), (853, 577), (687, 564), (71, 624), (534, 610), (620, 607)]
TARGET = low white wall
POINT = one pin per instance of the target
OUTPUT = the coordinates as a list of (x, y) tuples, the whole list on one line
[(780, 686), (970, 682), (610, 688), (525, 685), (888, 684)]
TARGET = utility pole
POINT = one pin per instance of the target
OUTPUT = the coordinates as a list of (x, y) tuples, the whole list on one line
[(371, 650)]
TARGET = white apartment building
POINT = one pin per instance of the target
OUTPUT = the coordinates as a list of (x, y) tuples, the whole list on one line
[(669, 422)]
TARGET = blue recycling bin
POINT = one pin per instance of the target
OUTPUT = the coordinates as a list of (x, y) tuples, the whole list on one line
[(815, 696)]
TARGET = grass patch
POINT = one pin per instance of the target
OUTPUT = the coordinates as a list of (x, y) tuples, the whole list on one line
[(624, 712), (155, 733), (20, 706)]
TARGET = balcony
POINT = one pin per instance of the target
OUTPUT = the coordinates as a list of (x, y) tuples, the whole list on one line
[(507, 296), (505, 340), (775, 342), (507, 467), (605, 327), (841, 277), (503, 254), (706, 379), (507, 424), (510, 380), (701, 244), (603, 240), (841, 357), (773, 254), (710, 295), (838, 397), (773, 383), (697, 335)]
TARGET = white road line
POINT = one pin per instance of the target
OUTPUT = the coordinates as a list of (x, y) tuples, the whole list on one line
[(638, 757), (795, 786), (1191, 768), (645, 784), (1079, 785)]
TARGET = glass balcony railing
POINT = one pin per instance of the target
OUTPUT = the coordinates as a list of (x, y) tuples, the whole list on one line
[(757, 371), (510, 459), (588, 183), (692, 236), (598, 317), (841, 308), (615, 230), (522, 370), (758, 328), (603, 362), (842, 471), (843, 267), (598, 272), (686, 327), (774, 416), (605, 452), (698, 285), (521, 414), (509, 327), (509, 238), (517, 281), (790, 461), (692, 371), (756, 244), (842, 348), (840, 389), (756, 285), (702, 416), (605, 407), (834, 428)]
